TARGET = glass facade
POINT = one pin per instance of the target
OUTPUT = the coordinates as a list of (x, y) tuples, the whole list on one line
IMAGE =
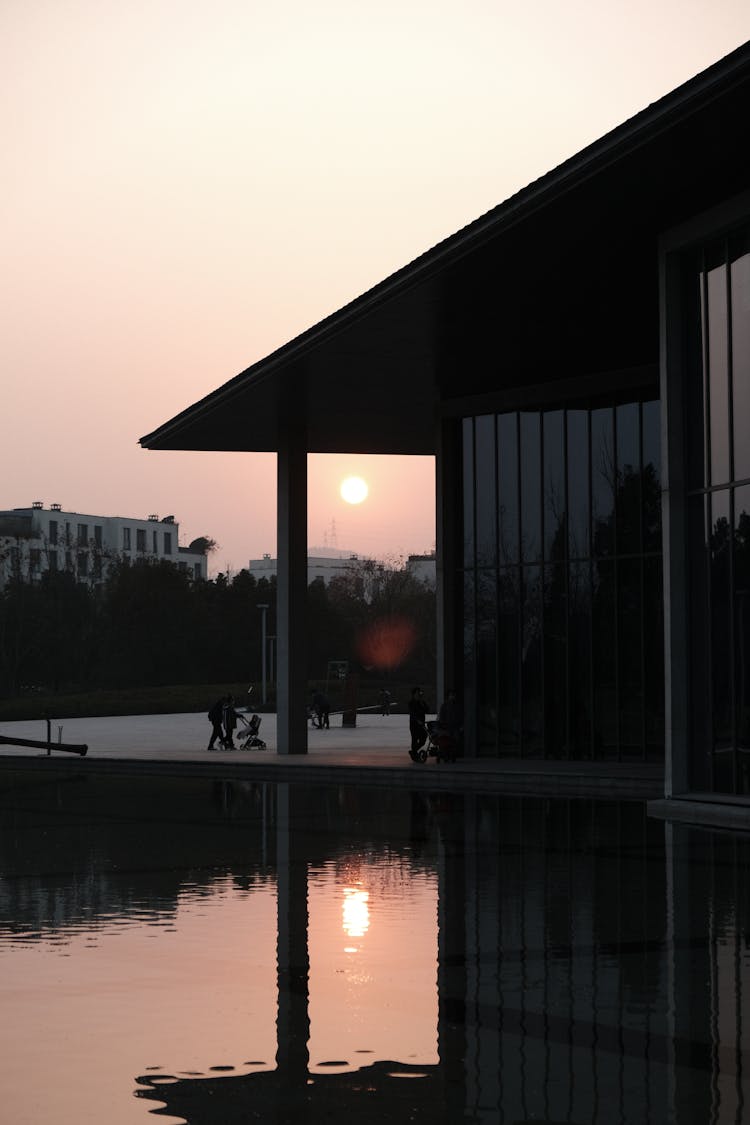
[(716, 304), (562, 583)]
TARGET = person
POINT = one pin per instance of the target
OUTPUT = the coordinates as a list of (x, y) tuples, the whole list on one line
[(385, 701), (417, 718), (216, 718), (450, 725), (230, 722), (322, 709), (451, 716)]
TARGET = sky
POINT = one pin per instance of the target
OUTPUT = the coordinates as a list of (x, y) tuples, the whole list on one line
[(188, 184)]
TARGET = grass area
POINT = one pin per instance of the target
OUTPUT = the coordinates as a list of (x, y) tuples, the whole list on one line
[(175, 699)]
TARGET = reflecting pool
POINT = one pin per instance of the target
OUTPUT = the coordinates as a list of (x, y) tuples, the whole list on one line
[(217, 952)]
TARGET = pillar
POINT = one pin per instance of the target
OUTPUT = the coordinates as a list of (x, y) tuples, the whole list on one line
[(291, 590)]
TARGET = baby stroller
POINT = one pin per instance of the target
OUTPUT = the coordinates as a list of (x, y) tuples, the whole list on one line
[(248, 738), (442, 744)]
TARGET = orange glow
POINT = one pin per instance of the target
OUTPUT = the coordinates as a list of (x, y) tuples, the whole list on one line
[(386, 643)]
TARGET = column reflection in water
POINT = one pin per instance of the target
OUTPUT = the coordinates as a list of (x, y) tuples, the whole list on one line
[(293, 1024)]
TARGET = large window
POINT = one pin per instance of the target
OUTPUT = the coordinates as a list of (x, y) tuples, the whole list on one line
[(562, 580), (716, 302)]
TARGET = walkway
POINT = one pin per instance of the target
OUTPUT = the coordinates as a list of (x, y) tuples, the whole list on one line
[(375, 752)]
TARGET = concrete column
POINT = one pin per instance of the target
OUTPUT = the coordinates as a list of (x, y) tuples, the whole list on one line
[(447, 476), (291, 591)]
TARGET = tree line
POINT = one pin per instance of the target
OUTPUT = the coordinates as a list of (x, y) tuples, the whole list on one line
[(148, 624)]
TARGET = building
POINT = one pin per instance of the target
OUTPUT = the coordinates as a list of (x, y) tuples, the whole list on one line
[(38, 539), (423, 568), (334, 564), (578, 362)]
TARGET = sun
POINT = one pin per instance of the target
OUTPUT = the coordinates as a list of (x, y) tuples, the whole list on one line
[(354, 490)]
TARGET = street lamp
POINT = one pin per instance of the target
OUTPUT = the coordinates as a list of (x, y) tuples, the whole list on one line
[(263, 609), (272, 658)]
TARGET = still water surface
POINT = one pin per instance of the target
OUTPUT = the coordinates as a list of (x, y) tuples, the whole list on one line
[(216, 952)]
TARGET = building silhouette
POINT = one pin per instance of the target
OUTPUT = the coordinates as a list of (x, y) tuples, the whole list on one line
[(578, 362)]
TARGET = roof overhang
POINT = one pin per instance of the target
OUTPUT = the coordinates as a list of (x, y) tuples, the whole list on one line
[(559, 280)]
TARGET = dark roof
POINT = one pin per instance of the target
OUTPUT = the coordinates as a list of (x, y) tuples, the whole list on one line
[(558, 281)]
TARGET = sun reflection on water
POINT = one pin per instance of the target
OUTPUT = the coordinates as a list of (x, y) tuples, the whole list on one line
[(356, 912)]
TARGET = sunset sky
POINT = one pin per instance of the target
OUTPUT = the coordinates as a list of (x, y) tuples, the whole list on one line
[(189, 184)]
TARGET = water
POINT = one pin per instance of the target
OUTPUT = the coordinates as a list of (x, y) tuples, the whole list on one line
[(221, 952)]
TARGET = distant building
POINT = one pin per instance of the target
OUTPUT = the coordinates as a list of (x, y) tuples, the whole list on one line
[(327, 565), (423, 568), (38, 539)]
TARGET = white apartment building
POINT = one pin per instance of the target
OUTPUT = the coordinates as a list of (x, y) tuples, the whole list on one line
[(331, 563), (423, 568), (38, 539)]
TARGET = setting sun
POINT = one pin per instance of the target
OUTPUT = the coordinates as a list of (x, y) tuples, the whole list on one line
[(354, 490)]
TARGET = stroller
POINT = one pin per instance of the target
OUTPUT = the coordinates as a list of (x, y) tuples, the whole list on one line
[(248, 737), (442, 744)]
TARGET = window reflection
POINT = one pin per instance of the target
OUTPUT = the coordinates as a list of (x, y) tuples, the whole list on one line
[(604, 659), (469, 657), (740, 279), (629, 656), (556, 654), (531, 487), (509, 702), (555, 651), (603, 481), (718, 373), (651, 476), (507, 469), (721, 685), (629, 507), (486, 654), (579, 505), (653, 657), (468, 491), (531, 661), (554, 485), (717, 364), (741, 617), (485, 502), (580, 660)]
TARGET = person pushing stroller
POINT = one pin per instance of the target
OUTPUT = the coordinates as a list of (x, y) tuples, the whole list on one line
[(216, 719), (223, 719), (417, 722), (230, 718)]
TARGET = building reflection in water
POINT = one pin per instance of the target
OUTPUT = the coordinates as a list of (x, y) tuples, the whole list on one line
[(445, 957)]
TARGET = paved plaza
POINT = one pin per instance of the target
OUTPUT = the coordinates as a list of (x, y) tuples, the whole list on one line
[(184, 737), (374, 751)]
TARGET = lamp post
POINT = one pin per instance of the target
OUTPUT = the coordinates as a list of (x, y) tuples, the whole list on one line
[(272, 659), (263, 609)]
